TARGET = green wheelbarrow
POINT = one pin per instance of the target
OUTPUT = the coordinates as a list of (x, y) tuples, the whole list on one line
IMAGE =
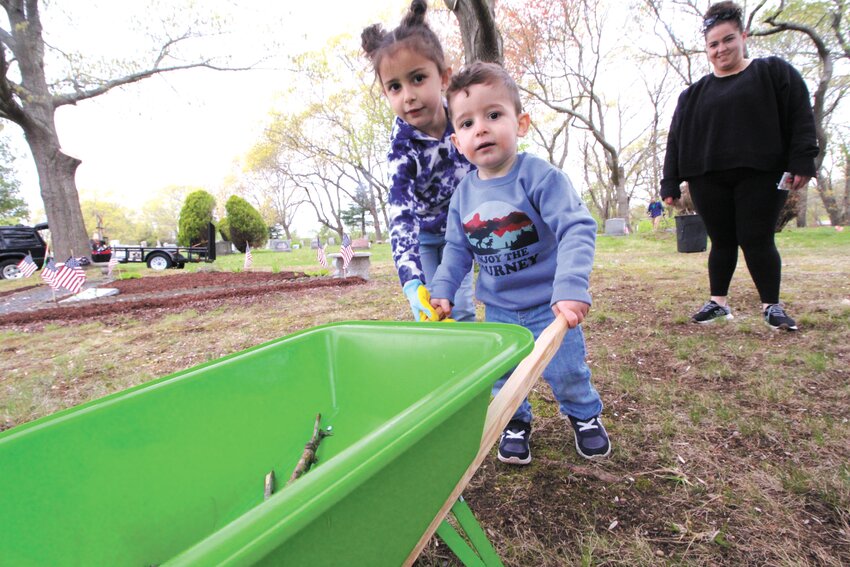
[(176, 471)]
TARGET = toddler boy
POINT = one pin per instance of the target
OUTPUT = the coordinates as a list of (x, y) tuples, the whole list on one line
[(521, 219)]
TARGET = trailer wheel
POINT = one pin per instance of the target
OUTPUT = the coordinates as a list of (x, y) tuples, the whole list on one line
[(9, 269), (159, 261), (180, 265)]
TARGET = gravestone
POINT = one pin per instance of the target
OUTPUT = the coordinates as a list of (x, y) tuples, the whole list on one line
[(359, 265), (223, 247), (279, 245), (361, 243), (615, 227)]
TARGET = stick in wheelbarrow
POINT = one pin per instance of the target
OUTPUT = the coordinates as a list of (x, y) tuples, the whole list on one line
[(500, 412)]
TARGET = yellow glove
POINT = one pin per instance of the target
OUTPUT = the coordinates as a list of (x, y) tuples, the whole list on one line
[(420, 302)]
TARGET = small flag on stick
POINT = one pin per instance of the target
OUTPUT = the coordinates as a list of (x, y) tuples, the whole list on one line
[(27, 266), (249, 258), (347, 251), (113, 261), (71, 276), (48, 273), (321, 256)]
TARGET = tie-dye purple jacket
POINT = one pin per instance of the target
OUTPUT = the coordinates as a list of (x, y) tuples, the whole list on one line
[(424, 173)]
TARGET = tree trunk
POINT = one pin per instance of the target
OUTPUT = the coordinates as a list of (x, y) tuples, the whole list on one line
[(830, 202), (56, 171), (618, 182), (376, 222), (481, 38)]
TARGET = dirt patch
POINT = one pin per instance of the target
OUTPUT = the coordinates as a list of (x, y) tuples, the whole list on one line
[(163, 294)]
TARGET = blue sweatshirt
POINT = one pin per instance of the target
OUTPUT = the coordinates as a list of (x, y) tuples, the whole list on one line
[(530, 233), (424, 173)]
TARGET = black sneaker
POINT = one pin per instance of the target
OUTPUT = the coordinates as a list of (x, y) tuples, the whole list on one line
[(591, 438), (776, 318), (513, 445), (711, 311)]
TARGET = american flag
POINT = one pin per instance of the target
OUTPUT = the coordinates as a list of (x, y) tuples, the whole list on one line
[(113, 261), (347, 251), (48, 273), (27, 267), (320, 253), (71, 276), (249, 259)]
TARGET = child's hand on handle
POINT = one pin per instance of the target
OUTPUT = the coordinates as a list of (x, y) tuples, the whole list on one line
[(442, 306), (420, 301), (574, 311)]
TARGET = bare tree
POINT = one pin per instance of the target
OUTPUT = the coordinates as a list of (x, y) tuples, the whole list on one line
[(563, 65), (28, 99), (335, 149), (825, 96), (272, 189)]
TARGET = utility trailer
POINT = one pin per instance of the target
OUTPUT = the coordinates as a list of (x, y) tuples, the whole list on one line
[(164, 257)]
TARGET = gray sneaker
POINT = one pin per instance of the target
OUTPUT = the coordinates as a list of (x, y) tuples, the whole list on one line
[(711, 311), (776, 318)]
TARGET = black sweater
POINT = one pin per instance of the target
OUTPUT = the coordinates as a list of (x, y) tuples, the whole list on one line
[(760, 118)]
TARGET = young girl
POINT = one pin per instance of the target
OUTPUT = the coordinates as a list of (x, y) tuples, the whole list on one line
[(424, 166)]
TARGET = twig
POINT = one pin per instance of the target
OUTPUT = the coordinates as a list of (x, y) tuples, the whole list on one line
[(269, 486), (308, 457), (584, 471)]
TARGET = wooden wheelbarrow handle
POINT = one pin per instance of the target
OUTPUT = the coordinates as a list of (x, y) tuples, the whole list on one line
[(500, 412)]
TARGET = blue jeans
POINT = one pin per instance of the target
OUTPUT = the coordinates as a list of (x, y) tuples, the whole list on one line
[(431, 254), (567, 373)]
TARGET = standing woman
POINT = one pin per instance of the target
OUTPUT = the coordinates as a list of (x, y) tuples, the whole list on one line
[(734, 133)]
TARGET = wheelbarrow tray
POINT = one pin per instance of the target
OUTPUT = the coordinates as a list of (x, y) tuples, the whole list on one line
[(172, 471)]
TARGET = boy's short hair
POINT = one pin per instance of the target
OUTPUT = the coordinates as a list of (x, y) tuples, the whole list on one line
[(481, 73)]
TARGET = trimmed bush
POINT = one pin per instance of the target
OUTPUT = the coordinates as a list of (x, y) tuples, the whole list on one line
[(195, 215), (244, 224)]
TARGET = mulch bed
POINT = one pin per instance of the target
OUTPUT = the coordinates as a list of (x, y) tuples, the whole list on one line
[(177, 293)]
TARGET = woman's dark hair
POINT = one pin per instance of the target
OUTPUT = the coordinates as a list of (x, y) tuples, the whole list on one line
[(412, 33), (723, 12)]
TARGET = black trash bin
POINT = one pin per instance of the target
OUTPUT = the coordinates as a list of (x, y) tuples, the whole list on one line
[(690, 234)]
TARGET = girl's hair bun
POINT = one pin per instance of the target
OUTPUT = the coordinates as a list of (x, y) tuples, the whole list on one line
[(416, 14), (371, 38)]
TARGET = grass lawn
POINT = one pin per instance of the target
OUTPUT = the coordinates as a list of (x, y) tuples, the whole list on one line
[(730, 440)]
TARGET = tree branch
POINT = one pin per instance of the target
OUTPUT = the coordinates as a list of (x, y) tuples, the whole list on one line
[(74, 98)]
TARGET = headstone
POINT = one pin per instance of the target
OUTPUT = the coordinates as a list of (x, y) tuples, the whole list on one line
[(361, 243), (279, 245), (313, 244), (359, 265), (331, 241), (223, 247), (615, 227)]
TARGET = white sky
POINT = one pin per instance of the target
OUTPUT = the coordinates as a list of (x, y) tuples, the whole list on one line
[(189, 127)]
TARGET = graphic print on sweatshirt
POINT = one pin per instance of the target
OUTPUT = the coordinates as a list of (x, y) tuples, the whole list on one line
[(500, 236)]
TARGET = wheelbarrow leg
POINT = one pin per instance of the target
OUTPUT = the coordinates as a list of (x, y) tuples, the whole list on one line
[(481, 552)]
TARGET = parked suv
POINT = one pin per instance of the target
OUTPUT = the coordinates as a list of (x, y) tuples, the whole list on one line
[(15, 243)]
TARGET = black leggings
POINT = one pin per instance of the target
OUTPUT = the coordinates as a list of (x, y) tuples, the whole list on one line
[(740, 207)]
